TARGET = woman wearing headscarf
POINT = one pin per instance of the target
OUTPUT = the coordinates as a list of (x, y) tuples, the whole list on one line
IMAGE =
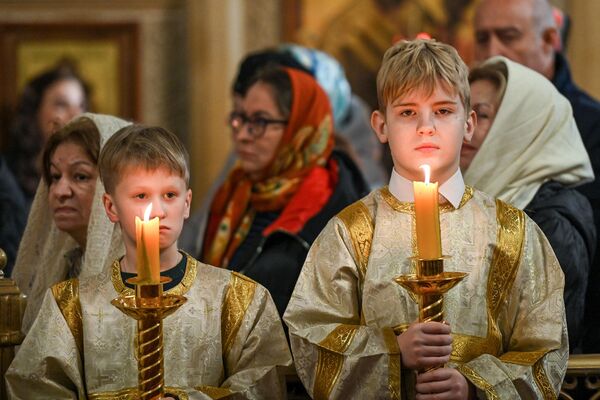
[(286, 185), (527, 151), (68, 233)]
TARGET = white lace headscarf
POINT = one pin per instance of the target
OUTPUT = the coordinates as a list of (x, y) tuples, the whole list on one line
[(41, 260), (532, 140)]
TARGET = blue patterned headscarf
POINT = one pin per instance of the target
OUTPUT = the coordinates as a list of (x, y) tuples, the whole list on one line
[(330, 75)]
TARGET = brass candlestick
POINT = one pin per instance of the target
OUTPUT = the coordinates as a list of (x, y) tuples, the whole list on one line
[(429, 285), (12, 306), (149, 306)]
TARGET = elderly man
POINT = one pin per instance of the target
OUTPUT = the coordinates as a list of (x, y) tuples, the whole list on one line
[(525, 31)]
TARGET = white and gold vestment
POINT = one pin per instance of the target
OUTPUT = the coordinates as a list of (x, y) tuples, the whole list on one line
[(226, 341), (507, 317)]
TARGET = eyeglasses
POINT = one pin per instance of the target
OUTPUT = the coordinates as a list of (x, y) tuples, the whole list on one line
[(256, 125)]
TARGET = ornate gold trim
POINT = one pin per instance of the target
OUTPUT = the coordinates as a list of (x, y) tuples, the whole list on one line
[(542, 381), (507, 254), (331, 359), (339, 339), (409, 208), (329, 367), (478, 381), (214, 392), (66, 295), (124, 394), (526, 358), (191, 269), (394, 364), (237, 299), (506, 257), (466, 348), (133, 394), (359, 223)]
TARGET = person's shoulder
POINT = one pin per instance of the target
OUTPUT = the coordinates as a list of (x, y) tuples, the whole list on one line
[(475, 197), (366, 204), (494, 208)]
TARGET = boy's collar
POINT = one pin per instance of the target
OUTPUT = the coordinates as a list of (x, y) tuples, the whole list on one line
[(452, 190)]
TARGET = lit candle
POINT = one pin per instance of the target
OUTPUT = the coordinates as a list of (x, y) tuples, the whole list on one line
[(427, 215), (147, 250)]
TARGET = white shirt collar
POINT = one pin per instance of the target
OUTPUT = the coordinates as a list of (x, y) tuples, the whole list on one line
[(452, 190)]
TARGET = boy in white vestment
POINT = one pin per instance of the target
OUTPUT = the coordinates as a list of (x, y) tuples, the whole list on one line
[(226, 341), (352, 328)]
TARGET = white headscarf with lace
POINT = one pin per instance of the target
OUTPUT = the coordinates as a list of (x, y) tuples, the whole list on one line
[(41, 259), (532, 140)]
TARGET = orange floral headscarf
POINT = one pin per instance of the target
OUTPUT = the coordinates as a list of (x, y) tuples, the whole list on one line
[(300, 171)]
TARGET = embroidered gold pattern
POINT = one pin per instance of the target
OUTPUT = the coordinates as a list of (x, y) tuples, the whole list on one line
[(191, 269), (214, 392), (393, 364), (132, 394), (526, 358), (478, 381), (542, 381), (329, 366), (466, 348), (359, 223), (239, 296), (331, 359), (339, 339), (66, 294), (409, 208), (507, 254), (503, 270)]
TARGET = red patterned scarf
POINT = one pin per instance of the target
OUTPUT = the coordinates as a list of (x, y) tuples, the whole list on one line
[(299, 182)]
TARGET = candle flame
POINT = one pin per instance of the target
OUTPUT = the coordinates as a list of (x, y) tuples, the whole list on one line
[(427, 172), (147, 212)]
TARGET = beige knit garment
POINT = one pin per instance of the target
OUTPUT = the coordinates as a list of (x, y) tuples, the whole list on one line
[(40, 261), (533, 139)]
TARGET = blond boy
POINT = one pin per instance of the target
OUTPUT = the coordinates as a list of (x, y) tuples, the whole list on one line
[(227, 340), (352, 328)]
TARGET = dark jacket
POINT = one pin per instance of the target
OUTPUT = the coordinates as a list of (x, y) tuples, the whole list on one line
[(277, 260), (13, 215), (564, 215), (586, 111)]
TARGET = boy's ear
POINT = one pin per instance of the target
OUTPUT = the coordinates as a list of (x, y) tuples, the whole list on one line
[(109, 207), (188, 203), (470, 125), (379, 126)]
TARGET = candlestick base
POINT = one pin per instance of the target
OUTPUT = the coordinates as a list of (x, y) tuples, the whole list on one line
[(149, 306)]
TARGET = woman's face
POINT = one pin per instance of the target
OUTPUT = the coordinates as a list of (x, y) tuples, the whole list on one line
[(71, 189), (61, 102), (484, 97), (256, 152)]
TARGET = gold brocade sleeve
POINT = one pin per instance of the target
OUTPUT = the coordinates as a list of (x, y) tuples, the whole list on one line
[(66, 294), (48, 365), (239, 295), (336, 356), (254, 346), (526, 308)]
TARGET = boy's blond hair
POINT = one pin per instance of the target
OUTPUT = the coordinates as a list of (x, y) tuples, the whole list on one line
[(148, 147), (421, 64)]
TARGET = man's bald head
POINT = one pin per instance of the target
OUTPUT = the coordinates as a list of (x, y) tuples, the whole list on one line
[(522, 30)]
